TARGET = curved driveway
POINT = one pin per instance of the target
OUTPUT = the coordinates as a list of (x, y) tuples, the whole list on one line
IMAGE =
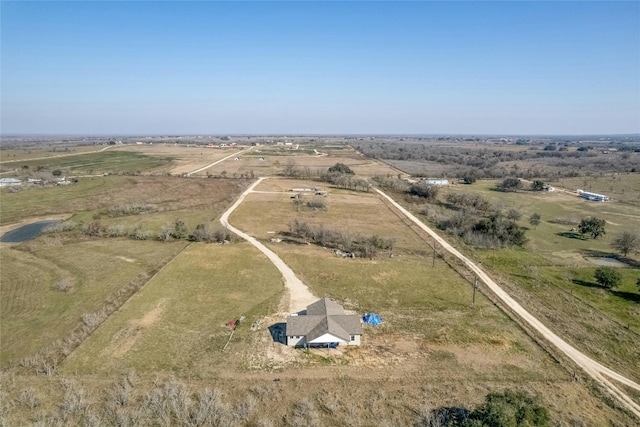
[(596, 370), (299, 295)]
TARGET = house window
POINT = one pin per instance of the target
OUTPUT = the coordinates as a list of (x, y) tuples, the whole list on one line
[(353, 337)]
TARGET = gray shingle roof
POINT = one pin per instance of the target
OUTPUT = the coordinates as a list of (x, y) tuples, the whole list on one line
[(324, 316)]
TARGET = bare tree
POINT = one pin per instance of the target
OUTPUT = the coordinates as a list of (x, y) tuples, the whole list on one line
[(626, 242), (290, 167)]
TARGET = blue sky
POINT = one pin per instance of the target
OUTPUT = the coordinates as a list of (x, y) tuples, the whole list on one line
[(320, 67)]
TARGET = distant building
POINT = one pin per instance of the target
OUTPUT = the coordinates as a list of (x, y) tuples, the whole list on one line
[(10, 182), (309, 189), (436, 181), (593, 196)]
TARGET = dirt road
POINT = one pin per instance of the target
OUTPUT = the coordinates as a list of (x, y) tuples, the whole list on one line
[(299, 294), (219, 161), (596, 370)]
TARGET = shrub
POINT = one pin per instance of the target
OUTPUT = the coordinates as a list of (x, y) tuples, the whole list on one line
[(61, 227), (116, 231), (429, 192), (140, 233), (132, 209), (607, 277)]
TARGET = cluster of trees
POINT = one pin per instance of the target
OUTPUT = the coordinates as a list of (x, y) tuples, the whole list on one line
[(342, 176), (427, 191), (462, 200), (175, 231), (481, 225), (510, 184), (361, 246), (507, 409), (534, 162)]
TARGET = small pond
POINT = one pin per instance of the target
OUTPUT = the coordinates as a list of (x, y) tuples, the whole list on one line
[(606, 262), (26, 232)]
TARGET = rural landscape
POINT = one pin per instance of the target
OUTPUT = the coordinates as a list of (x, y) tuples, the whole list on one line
[(320, 213), (150, 295)]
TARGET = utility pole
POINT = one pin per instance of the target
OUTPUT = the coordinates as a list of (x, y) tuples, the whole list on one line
[(475, 286), (433, 264)]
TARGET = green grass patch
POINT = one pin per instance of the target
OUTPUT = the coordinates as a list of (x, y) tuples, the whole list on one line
[(34, 313), (112, 161), (176, 323)]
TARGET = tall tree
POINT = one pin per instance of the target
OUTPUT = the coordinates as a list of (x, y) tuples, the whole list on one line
[(592, 226), (626, 242), (608, 277), (534, 219), (537, 185)]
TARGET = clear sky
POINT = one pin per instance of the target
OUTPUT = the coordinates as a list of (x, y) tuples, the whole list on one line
[(320, 67)]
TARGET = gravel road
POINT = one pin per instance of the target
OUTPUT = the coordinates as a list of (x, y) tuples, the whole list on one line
[(597, 371), (299, 294)]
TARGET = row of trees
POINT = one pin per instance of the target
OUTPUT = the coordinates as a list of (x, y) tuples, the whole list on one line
[(361, 246), (175, 231)]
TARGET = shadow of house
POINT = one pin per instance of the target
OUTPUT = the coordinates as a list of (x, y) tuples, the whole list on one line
[(278, 332)]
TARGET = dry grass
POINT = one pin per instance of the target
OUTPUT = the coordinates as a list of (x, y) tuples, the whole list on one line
[(34, 313), (176, 322), (93, 195), (275, 159), (433, 349), (186, 159)]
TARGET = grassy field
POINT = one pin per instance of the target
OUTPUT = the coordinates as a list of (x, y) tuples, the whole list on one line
[(18, 154), (620, 187), (93, 195), (553, 275), (176, 323), (185, 158), (306, 159), (34, 313), (165, 344), (114, 162)]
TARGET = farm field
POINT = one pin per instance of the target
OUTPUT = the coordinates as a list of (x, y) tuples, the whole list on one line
[(110, 161), (35, 313), (556, 267), (185, 158), (95, 195), (18, 154), (177, 322), (309, 160), (433, 350)]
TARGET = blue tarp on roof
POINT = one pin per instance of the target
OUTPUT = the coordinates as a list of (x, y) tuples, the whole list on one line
[(372, 319)]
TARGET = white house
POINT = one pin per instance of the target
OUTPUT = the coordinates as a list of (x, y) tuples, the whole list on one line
[(10, 182), (436, 181), (323, 325), (593, 196)]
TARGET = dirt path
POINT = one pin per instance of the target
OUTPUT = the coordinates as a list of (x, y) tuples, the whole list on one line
[(219, 161), (299, 294), (596, 370)]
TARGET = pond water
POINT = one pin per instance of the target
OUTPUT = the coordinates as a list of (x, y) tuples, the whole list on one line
[(606, 262), (26, 232)]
